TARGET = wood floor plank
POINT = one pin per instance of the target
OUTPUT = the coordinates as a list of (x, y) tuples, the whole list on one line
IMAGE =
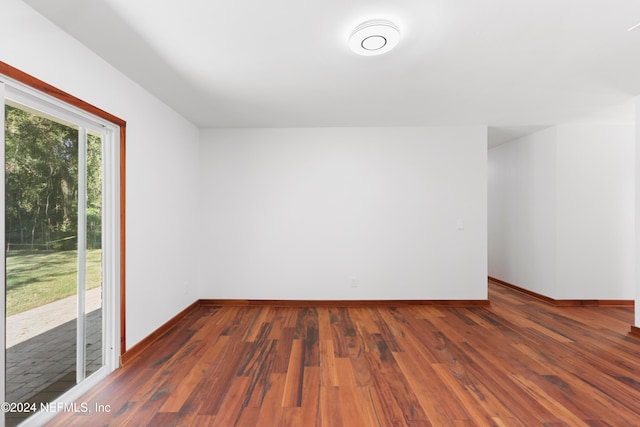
[(324, 324), (331, 410), (364, 320), (212, 323), (292, 395), (389, 327), (167, 374), (202, 421), (361, 369), (262, 357), (441, 409), (310, 396), (283, 349), (360, 412), (475, 412), (329, 373), (500, 396), (557, 408), (394, 400), (207, 396), (271, 410), (231, 406), (386, 410), (249, 416), (342, 330), (254, 325), (307, 329), (185, 385), (519, 362)]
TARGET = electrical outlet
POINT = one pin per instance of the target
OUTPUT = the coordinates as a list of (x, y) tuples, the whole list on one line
[(354, 282)]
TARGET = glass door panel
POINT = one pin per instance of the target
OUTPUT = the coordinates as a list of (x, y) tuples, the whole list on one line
[(53, 246), (93, 298)]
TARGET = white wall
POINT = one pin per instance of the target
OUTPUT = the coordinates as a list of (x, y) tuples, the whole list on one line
[(295, 213), (637, 210), (561, 212), (595, 212), (521, 212), (162, 152)]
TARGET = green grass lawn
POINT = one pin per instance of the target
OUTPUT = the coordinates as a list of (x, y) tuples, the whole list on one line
[(37, 279)]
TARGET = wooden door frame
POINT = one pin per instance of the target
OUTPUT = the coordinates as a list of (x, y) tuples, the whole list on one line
[(54, 92)]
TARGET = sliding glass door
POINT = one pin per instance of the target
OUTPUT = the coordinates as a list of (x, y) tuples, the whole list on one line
[(57, 331)]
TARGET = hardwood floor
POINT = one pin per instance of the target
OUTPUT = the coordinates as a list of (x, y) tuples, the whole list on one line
[(519, 362)]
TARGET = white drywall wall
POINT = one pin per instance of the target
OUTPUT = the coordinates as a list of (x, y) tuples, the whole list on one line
[(162, 152), (298, 213)]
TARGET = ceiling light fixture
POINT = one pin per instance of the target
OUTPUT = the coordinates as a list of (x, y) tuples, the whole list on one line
[(374, 37)]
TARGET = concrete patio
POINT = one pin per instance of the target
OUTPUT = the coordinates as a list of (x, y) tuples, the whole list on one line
[(41, 346)]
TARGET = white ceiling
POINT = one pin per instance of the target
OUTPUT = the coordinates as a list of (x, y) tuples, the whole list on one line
[(510, 64)]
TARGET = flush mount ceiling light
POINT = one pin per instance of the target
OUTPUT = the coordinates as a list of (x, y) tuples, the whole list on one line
[(374, 37)]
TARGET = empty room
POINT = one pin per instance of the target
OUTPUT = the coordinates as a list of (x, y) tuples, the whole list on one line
[(364, 213)]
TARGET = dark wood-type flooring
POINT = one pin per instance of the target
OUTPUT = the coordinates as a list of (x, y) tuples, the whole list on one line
[(519, 362)]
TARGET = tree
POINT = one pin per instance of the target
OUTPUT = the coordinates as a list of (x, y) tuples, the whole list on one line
[(41, 180), (94, 192)]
